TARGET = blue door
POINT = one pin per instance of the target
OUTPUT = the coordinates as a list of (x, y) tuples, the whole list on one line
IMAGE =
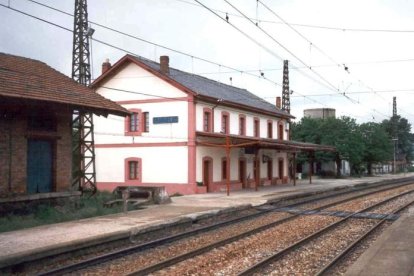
[(39, 166)]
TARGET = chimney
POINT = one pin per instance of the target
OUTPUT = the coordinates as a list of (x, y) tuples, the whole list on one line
[(278, 102), (164, 64), (106, 66)]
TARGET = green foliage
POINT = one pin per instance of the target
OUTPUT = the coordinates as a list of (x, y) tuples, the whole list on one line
[(43, 214), (362, 145), (399, 128), (378, 146)]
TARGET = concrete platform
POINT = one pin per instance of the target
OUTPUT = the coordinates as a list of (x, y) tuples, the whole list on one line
[(29, 244), (393, 252)]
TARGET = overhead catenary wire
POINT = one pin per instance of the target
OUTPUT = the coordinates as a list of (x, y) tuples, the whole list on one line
[(300, 60), (341, 29), (131, 53), (329, 84), (99, 41), (152, 43)]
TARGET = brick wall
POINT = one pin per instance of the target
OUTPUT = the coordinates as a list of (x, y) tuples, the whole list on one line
[(15, 161)]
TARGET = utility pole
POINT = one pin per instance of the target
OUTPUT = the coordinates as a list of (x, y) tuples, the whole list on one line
[(83, 144), (394, 106), (286, 91)]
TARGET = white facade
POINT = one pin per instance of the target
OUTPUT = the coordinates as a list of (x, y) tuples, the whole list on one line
[(167, 153)]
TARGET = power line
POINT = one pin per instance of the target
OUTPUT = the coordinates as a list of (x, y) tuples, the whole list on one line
[(341, 29), (131, 53), (332, 87), (121, 49), (152, 43)]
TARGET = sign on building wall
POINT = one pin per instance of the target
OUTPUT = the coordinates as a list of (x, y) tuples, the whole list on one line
[(165, 120)]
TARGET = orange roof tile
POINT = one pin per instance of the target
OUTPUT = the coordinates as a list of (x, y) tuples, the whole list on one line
[(29, 79)]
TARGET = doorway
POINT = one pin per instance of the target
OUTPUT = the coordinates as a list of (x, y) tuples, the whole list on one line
[(207, 173), (281, 169), (242, 172), (39, 166)]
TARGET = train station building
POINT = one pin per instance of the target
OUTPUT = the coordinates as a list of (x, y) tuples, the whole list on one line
[(188, 133)]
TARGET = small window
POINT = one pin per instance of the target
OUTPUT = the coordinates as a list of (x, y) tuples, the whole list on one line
[(242, 125), (145, 119), (256, 127), (207, 121), (280, 132), (134, 122), (133, 170), (269, 129), (225, 123), (224, 169)]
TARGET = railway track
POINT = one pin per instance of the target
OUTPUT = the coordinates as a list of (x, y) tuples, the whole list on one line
[(168, 261), (307, 246)]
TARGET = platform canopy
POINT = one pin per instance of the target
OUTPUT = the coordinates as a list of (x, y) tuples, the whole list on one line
[(236, 141)]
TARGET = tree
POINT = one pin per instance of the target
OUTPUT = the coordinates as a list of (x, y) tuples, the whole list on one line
[(377, 144), (399, 128), (342, 133)]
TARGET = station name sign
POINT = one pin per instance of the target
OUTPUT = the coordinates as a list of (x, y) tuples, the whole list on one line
[(165, 120)]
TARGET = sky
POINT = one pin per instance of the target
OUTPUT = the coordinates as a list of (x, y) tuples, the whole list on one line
[(350, 55)]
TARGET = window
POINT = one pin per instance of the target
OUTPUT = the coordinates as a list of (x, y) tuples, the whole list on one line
[(242, 125), (207, 122), (133, 123), (145, 120), (225, 124), (224, 169), (256, 127), (133, 170), (269, 129), (280, 136)]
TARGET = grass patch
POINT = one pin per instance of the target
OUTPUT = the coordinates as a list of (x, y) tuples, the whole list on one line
[(45, 213)]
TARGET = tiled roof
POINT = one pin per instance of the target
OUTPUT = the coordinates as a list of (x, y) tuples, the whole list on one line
[(28, 79), (210, 88)]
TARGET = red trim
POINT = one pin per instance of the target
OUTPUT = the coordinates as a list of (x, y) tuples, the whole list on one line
[(270, 129), (141, 145), (191, 142), (244, 107), (225, 114), (153, 100), (256, 130), (139, 171), (128, 58), (128, 121), (242, 124), (210, 119)]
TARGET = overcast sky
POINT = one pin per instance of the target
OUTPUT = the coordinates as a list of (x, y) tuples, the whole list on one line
[(373, 39)]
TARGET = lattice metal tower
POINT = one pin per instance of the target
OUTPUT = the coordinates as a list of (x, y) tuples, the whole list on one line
[(286, 91), (83, 145), (394, 106)]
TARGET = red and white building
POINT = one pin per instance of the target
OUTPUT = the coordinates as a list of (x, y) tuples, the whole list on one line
[(187, 133)]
